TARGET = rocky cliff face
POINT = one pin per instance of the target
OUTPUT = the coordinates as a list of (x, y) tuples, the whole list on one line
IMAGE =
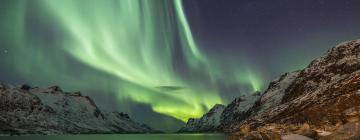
[(319, 101), (207, 123), (26, 110)]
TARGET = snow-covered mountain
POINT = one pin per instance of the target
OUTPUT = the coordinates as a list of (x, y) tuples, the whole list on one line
[(238, 109), (27, 110), (273, 95), (207, 123), (256, 104), (320, 101), (221, 115)]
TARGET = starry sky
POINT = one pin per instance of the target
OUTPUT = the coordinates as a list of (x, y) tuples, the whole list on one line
[(165, 61)]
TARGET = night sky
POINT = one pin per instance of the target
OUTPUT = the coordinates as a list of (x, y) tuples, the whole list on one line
[(164, 61)]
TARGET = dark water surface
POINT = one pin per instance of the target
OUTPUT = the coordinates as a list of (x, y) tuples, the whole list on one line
[(122, 137)]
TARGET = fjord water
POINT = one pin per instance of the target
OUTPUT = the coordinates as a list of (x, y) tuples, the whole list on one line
[(123, 137)]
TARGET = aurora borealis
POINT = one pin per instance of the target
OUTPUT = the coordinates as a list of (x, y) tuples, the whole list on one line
[(175, 58), (136, 47)]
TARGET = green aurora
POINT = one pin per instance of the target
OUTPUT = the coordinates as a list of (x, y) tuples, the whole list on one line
[(127, 48)]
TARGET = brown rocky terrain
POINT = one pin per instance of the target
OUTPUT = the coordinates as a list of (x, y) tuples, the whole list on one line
[(320, 102)]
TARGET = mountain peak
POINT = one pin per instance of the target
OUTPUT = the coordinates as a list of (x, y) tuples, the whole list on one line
[(208, 122), (325, 95), (39, 112)]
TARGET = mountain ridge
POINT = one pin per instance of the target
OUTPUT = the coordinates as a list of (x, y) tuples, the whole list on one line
[(27, 110), (319, 102)]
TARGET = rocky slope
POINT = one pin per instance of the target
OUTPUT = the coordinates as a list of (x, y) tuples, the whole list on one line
[(207, 123), (26, 110), (272, 97), (238, 109), (321, 101), (244, 106), (220, 116)]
